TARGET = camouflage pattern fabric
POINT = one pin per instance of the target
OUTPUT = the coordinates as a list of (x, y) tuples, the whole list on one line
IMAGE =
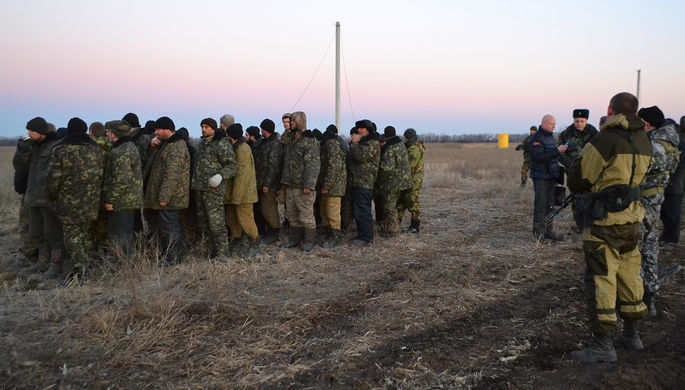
[(36, 192), (390, 225), (103, 144), (665, 158), (78, 244), (167, 176), (394, 174), (123, 180), (649, 243), (525, 166), (269, 163), (365, 158), (142, 142), (242, 189), (409, 199), (333, 175), (214, 155), (211, 214), (27, 246), (576, 142), (301, 161)]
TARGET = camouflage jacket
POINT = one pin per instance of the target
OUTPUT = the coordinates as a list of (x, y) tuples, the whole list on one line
[(665, 158), (365, 158), (269, 162), (333, 173), (416, 150), (37, 168), (576, 141), (524, 146), (167, 175), (75, 179), (123, 182), (214, 155), (142, 141), (394, 174), (242, 188), (301, 161)]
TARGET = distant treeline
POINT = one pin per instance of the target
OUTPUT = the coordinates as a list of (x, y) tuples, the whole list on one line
[(468, 138), (5, 141)]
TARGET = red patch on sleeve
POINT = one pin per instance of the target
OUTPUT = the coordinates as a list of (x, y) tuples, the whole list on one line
[(536, 143)]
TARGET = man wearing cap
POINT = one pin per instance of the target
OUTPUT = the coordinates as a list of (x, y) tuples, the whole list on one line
[(301, 164), (665, 140), (525, 167), (45, 230), (214, 166), (365, 155), (409, 198), (75, 185), (241, 193), (268, 167), (122, 189), (394, 176), (167, 188), (331, 185)]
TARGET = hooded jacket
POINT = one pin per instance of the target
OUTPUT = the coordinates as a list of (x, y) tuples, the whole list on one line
[(665, 156), (301, 161)]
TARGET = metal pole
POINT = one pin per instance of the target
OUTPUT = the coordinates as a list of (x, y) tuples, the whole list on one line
[(337, 75), (638, 84)]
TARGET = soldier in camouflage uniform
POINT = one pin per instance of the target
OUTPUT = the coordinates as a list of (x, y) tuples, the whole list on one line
[(268, 166), (409, 199), (122, 189), (665, 140), (214, 166), (75, 184), (141, 138), (331, 185), (167, 187), (20, 161), (525, 167), (301, 164), (365, 155), (394, 176), (576, 136)]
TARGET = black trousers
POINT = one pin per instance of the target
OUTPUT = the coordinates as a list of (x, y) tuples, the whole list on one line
[(121, 229), (670, 215), (544, 204), (45, 230), (167, 225), (361, 207)]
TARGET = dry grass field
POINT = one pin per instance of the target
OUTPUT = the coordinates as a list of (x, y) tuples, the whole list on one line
[(471, 302)]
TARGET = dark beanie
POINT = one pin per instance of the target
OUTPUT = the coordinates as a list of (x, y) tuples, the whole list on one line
[(410, 134), (131, 119), (533, 128), (268, 125), (652, 115), (253, 131), (317, 134), (365, 123), (165, 123), (389, 131), (38, 124), (332, 129), (77, 126), (581, 113), (235, 131), (209, 122), (354, 130)]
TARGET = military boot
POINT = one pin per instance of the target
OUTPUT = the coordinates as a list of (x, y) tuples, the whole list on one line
[(271, 236), (650, 300), (601, 350), (294, 237), (252, 250), (630, 339), (415, 226), (55, 266), (308, 240), (333, 240)]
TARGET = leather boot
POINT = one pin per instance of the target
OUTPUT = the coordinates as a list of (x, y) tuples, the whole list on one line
[(601, 350), (333, 240), (415, 226), (271, 236), (650, 300), (294, 237), (252, 250), (308, 240), (630, 339), (55, 266)]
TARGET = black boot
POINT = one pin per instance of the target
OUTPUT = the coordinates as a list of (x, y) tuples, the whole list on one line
[(415, 226), (650, 300), (308, 240), (271, 236), (630, 339), (294, 237), (55, 266), (601, 350), (252, 250), (333, 240)]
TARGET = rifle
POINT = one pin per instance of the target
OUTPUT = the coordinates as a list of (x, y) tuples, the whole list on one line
[(569, 198)]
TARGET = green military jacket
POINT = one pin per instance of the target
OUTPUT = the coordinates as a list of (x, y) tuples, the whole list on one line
[(365, 157), (75, 176), (576, 141), (36, 191), (214, 155), (242, 188), (123, 181), (167, 174), (269, 162), (301, 161), (416, 150), (333, 173), (394, 174)]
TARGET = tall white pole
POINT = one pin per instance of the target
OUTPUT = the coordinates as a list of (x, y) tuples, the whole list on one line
[(337, 75), (638, 85)]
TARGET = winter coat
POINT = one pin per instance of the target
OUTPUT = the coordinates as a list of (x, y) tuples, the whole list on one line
[(665, 158), (394, 174), (544, 156), (123, 181), (333, 173), (301, 161), (364, 162), (269, 163), (416, 151), (36, 191), (214, 155), (576, 140), (167, 175), (242, 188)]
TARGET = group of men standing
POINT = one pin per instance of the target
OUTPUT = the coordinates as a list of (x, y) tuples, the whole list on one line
[(226, 189), (620, 177)]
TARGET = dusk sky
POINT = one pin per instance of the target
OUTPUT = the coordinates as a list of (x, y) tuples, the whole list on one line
[(448, 67)]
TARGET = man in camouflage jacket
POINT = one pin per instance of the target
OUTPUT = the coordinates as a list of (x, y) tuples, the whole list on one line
[(409, 199), (122, 189), (665, 140), (75, 185), (365, 155), (301, 164), (394, 176), (525, 167), (331, 184), (268, 167), (214, 166), (167, 187)]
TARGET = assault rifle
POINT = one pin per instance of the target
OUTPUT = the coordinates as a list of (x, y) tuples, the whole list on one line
[(567, 201)]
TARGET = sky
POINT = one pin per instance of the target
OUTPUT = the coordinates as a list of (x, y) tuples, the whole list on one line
[(446, 67)]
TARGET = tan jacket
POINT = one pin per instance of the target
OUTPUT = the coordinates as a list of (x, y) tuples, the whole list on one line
[(242, 188)]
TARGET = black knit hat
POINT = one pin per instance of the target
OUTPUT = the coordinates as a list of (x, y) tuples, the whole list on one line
[(354, 130), (268, 125), (131, 119), (652, 115), (389, 131), (209, 122), (77, 126), (165, 123), (331, 130), (317, 134), (235, 131), (581, 113), (38, 124), (367, 124), (253, 131), (410, 134)]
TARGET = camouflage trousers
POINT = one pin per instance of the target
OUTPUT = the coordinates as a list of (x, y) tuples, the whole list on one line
[(240, 218), (391, 224), (612, 275), (299, 208), (525, 169), (27, 246), (329, 207), (269, 204), (78, 244), (212, 219), (409, 200), (649, 242)]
